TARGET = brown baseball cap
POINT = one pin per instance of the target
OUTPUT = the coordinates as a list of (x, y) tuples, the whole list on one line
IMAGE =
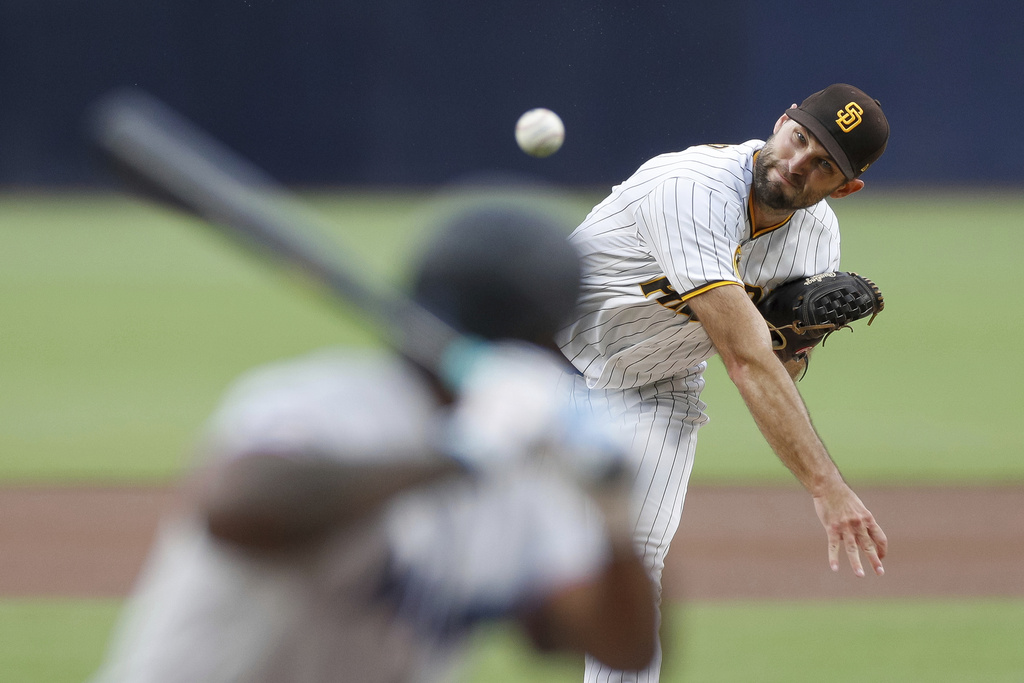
[(848, 123)]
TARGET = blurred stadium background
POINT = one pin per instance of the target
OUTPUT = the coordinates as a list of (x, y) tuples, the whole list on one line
[(122, 323), (414, 92)]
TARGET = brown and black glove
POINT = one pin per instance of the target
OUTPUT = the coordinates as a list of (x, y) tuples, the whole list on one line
[(802, 313)]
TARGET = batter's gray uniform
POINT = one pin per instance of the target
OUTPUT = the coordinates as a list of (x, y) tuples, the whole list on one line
[(678, 227), (388, 600)]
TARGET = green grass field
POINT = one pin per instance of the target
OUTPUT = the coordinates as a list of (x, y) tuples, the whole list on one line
[(122, 325), (805, 642)]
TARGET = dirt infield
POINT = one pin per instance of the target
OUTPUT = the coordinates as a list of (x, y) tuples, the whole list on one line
[(734, 543)]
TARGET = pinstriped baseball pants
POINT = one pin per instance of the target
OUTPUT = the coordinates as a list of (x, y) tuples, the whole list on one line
[(661, 421)]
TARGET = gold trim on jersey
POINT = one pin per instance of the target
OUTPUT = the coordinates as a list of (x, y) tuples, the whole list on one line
[(671, 299), (754, 232), (707, 288), (755, 292)]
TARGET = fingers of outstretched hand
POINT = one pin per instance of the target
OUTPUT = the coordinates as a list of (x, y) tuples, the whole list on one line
[(869, 538), (881, 542), (833, 550), (856, 537), (875, 546)]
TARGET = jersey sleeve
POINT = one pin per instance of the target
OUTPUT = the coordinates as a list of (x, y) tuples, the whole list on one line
[(691, 231)]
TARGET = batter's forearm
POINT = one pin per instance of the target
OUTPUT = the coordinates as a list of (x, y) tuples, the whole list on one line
[(612, 617), (268, 500)]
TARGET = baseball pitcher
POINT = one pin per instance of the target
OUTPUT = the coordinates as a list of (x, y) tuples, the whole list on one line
[(675, 260)]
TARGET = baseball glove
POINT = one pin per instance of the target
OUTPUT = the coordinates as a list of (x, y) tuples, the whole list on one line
[(803, 313)]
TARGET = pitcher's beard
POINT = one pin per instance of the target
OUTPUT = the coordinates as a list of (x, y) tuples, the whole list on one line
[(770, 193)]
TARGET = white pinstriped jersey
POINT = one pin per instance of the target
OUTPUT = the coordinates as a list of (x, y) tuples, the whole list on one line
[(677, 227)]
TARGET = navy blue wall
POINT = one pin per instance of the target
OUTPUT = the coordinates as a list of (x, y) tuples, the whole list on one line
[(417, 92)]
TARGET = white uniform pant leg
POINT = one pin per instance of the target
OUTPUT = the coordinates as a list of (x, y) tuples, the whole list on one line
[(661, 421)]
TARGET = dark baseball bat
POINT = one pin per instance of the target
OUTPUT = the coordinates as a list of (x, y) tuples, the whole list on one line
[(171, 160)]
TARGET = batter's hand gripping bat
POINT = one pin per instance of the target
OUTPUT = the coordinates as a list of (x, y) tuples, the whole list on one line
[(170, 158)]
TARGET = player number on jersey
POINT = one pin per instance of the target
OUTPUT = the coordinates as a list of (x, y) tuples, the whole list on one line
[(671, 299)]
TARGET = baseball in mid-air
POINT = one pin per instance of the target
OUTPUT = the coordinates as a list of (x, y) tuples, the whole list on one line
[(540, 132)]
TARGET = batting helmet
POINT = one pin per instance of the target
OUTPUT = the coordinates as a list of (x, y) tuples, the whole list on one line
[(500, 272)]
